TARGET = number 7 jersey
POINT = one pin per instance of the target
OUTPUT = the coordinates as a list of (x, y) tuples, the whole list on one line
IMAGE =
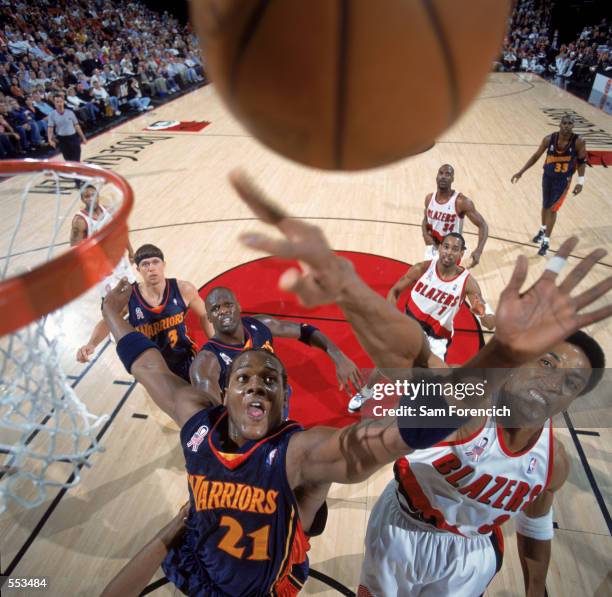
[(243, 536), (434, 302)]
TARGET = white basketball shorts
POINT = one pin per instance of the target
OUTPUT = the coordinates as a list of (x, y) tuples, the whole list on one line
[(405, 558)]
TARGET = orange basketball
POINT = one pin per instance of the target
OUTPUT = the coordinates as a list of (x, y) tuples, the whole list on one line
[(349, 84)]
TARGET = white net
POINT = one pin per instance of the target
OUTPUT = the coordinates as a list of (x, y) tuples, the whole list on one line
[(46, 433)]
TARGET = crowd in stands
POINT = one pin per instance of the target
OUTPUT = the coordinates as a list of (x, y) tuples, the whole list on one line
[(532, 46), (109, 58)]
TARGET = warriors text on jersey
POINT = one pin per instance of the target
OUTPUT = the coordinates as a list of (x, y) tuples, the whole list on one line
[(560, 163), (256, 335), (443, 218), (243, 536), (165, 325), (434, 302), (473, 486)]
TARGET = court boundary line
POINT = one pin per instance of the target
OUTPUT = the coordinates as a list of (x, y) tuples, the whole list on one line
[(62, 492), (310, 218)]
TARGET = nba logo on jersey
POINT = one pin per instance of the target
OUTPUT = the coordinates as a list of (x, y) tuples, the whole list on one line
[(253, 327), (532, 464), (197, 438), (271, 457), (174, 301), (139, 314), (227, 360)]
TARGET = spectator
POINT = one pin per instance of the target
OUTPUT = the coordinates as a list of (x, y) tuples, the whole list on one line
[(29, 136), (87, 111), (135, 97), (102, 96), (9, 139)]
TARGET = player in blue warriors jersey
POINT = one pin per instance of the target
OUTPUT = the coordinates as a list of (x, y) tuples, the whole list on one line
[(255, 482), (157, 308), (565, 152), (234, 334)]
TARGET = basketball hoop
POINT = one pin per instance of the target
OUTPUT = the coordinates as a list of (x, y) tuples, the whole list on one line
[(40, 291), (46, 433)]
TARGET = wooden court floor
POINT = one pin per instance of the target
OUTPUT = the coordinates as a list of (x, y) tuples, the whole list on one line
[(80, 538)]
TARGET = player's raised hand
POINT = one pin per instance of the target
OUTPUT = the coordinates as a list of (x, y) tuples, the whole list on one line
[(349, 377), (85, 352), (577, 189), (529, 323), (322, 273), (475, 259), (516, 177), (117, 298)]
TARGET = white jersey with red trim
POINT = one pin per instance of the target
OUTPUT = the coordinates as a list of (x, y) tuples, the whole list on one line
[(95, 224), (434, 302), (123, 269), (443, 218), (473, 486)]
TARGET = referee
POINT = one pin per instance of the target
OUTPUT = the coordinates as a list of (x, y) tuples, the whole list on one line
[(67, 130)]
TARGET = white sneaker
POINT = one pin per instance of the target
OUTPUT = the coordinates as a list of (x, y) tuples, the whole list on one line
[(358, 400)]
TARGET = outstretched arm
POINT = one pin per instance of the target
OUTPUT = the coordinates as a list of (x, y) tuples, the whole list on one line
[(466, 207), (528, 324), (346, 371), (532, 160), (173, 395), (535, 529), (406, 281)]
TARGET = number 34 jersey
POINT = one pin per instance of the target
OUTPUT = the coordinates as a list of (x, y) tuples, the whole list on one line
[(165, 325), (243, 535)]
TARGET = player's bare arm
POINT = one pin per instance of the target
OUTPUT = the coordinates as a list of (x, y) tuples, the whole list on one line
[(173, 395), (204, 373), (581, 154), (98, 334), (349, 376), (406, 281), (534, 553), (466, 207), (194, 301), (478, 305), (528, 322), (427, 237), (532, 160), (78, 230)]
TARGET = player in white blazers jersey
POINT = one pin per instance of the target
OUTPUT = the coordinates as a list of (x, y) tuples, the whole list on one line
[(435, 530), (445, 212), (437, 290), (91, 218)]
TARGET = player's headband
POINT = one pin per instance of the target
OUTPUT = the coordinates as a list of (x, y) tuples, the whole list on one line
[(147, 252)]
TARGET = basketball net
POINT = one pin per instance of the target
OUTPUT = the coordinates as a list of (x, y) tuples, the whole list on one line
[(47, 434)]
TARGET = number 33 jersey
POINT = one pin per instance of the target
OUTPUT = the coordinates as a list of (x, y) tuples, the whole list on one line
[(243, 535), (165, 325)]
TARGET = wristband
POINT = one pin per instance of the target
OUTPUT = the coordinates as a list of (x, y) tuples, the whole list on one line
[(131, 346), (306, 331), (421, 437), (540, 528), (581, 181)]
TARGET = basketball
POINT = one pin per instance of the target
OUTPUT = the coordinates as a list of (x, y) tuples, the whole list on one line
[(352, 84)]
